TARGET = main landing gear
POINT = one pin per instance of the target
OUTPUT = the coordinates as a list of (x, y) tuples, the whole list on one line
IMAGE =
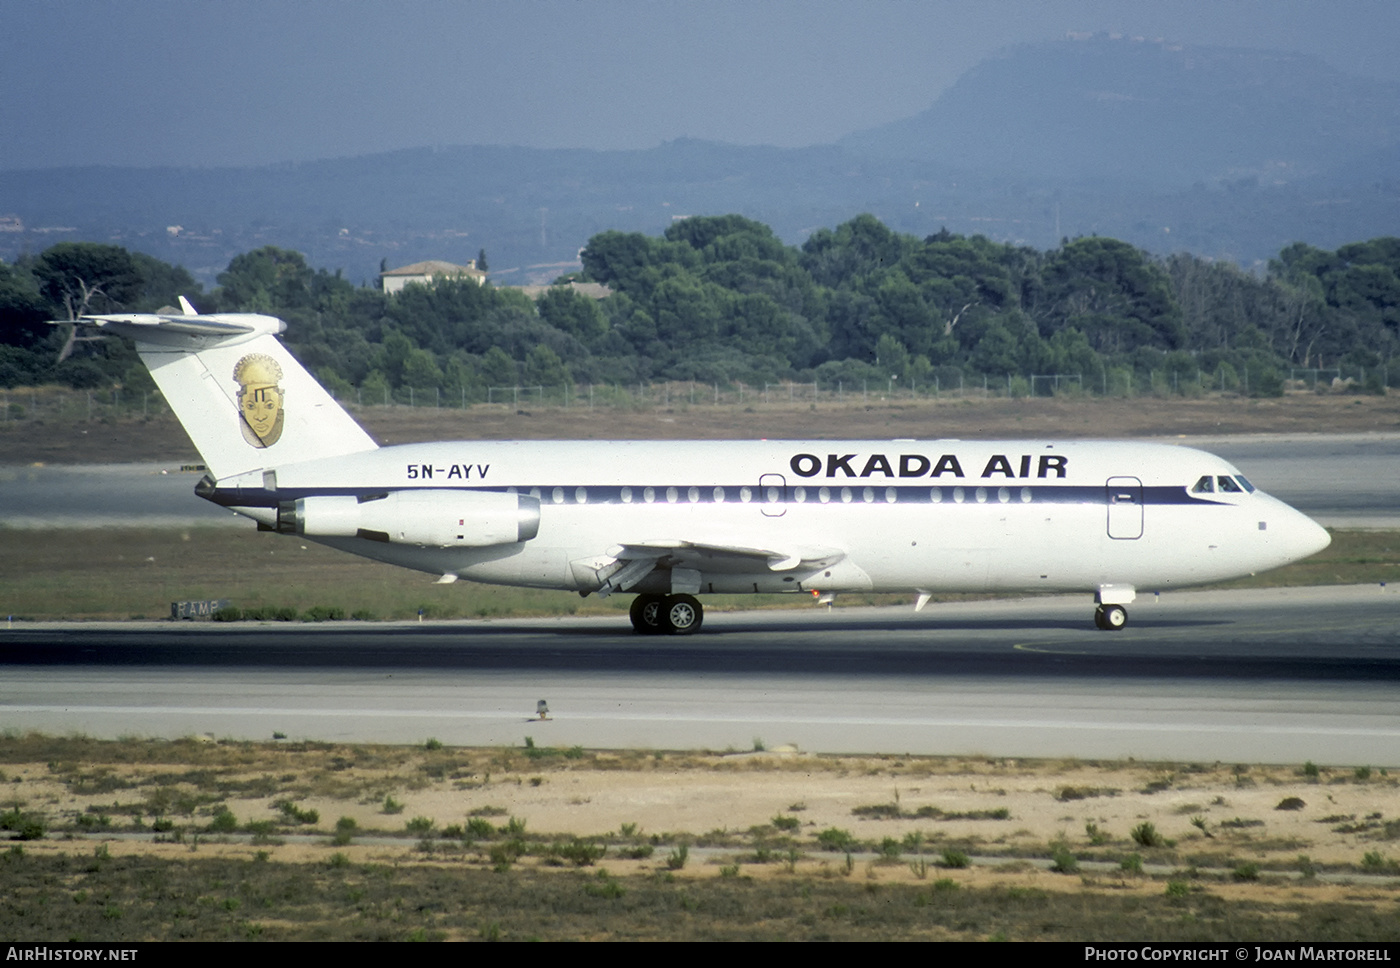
[(1110, 618), (666, 614)]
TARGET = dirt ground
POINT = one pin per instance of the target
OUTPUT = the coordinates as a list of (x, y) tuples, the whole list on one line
[(1009, 815), (24, 441)]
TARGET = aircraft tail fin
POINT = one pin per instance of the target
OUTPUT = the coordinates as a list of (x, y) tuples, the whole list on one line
[(241, 396)]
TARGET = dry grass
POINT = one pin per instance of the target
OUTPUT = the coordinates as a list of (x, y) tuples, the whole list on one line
[(187, 839)]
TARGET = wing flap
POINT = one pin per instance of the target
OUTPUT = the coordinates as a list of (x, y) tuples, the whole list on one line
[(628, 564)]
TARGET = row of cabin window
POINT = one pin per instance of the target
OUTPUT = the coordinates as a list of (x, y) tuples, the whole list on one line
[(800, 495)]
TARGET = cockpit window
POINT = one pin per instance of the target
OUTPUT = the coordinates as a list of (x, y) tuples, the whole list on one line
[(1245, 482), (1204, 486), (1227, 484)]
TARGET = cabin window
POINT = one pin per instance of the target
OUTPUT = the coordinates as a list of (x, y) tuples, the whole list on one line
[(581, 495), (957, 495), (824, 495), (799, 494), (1204, 486), (845, 495), (891, 495), (935, 494), (648, 494), (693, 495), (746, 494), (1003, 494), (868, 495), (1025, 495), (719, 495), (557, 495), (626, 495), (1227, 484), (981, 495), (671, 495)]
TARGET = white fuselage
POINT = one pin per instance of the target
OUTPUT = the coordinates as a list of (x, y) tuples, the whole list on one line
[(829, 516)]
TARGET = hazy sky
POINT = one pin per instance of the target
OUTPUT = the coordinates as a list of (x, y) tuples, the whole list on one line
[(150, 82)]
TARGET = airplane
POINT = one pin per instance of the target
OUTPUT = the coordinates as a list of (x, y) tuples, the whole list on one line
[(670, 521)]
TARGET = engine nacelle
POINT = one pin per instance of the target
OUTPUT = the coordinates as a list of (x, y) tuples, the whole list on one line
[(429, 518)]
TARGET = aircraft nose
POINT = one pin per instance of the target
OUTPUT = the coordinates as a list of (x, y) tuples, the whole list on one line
[(1304, 536)]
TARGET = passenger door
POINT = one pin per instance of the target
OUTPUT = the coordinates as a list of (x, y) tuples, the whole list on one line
[(1124, 508)]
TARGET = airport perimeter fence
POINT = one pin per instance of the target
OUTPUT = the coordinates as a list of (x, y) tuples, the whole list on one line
[(97, 405)]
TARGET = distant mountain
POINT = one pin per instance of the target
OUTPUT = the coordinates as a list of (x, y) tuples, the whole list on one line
[(1226, 153), (1147, 111)]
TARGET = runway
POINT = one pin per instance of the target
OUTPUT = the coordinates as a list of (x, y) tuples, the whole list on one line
[(1340, 480), (1270, 676)]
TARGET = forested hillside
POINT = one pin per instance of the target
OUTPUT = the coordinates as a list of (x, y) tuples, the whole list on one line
[(721, 300)]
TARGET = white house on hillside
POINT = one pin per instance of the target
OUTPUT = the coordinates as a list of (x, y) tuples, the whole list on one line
[(424, 273)]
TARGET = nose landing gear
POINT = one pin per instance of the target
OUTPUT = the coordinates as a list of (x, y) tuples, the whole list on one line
[(666, 614)]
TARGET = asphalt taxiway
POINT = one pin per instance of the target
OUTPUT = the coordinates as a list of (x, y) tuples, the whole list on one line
[(1278, 675)]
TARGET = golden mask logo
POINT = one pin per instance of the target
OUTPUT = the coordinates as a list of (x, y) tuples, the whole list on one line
[(259, 398)]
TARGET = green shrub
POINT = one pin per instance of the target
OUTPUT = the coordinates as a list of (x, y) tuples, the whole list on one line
[(1063, 862), (834, 838), (224, 822), (1146, 835), (954, 859)]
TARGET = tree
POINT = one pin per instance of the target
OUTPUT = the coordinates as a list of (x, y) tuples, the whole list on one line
[(481, 260), (83, 277), (267, 280)]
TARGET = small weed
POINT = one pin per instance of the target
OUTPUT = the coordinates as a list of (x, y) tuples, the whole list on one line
[(420, 825), (1248, 871), (786, 823), (1373, 861), (1291, 803), (432, 744), (391, 805), (1132, 864), (677, 858), (1177, 889)]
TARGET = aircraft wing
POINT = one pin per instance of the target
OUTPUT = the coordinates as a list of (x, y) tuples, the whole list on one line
[(625, 565)]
